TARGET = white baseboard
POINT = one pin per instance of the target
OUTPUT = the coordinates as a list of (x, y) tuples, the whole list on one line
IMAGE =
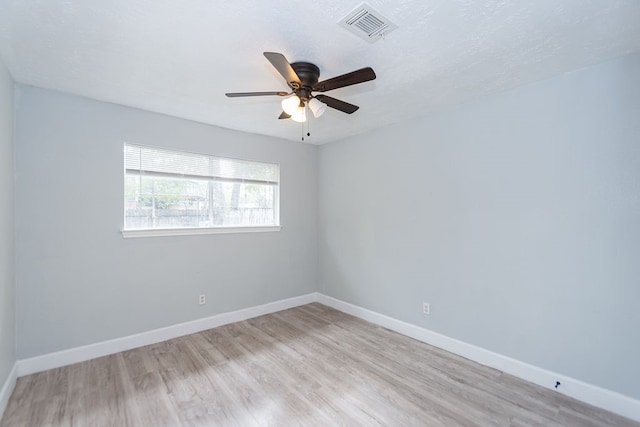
[(104, 348), (588, 393), (7, 388)]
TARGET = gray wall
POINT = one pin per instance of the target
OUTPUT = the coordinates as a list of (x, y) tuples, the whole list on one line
[(80, 282), (7, 289), (517, 217)]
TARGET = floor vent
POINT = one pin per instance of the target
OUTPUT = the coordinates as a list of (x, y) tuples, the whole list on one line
[(367, 23)]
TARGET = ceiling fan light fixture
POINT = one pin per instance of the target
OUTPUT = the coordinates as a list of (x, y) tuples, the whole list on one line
[(299, 115), (290, 105), (317, 107)]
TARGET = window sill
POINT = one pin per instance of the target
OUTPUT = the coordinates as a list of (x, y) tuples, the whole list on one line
[(164, 232)]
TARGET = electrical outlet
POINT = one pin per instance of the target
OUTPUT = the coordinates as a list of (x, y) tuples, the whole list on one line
[(425, 308), (202, 299)]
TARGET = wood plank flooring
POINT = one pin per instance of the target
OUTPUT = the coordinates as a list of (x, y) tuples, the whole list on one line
[(309, 365)]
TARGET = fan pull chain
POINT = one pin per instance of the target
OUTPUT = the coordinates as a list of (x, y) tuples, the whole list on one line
[(307, 115)]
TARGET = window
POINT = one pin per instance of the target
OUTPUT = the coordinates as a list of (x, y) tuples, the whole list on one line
[(187, 193)]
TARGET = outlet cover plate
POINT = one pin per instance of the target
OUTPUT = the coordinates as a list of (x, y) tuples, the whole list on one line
[(425, 308)]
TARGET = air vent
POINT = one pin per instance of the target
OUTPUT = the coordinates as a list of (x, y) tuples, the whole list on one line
[(367, 23)]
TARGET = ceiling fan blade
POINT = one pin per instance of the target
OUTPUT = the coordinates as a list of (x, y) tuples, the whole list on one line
[(284, 68), (284, 116), (352, 78), (345, 107), (239, 94)]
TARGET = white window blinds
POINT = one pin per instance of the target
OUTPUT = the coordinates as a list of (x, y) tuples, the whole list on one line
[(161, 162)]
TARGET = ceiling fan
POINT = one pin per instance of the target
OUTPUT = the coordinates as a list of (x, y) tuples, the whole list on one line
[(302, 78)]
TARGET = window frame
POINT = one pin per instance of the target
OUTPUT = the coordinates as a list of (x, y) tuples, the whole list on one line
[(183, 231)]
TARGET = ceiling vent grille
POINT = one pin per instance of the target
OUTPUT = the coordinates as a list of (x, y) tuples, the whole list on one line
[(367, 23)]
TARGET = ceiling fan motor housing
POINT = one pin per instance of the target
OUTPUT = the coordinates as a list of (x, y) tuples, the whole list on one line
[(308, 74)]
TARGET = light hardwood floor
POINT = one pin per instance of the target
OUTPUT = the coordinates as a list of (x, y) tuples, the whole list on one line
[(309, 365)]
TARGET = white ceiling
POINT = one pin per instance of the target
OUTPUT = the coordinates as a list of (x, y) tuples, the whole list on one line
[(180, 57)]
